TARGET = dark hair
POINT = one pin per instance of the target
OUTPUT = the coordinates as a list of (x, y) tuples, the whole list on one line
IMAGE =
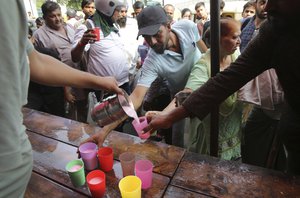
[(39, 20), (48, 7), (138, 5), (199, 4), (185, 10), (86, 2), (248, 5)]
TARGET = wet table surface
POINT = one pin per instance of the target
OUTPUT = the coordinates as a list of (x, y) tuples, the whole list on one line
[(177, 173), (222, 178)]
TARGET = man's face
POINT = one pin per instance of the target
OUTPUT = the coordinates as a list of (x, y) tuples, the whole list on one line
[(249, 12), (201, 12), (283, 14), (116, 16), (170, 11), (159, 41), (123, 17), (260, 9), (54, 19), (137, 11), (89, 10)]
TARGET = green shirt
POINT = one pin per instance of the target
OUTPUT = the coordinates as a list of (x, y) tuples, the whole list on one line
[(15, 148), (229, 120)]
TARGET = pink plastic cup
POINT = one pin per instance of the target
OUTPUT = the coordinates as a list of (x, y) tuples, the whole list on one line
[(88, 153), (143, 170), (139, 127), (96, 183), (106, 158)]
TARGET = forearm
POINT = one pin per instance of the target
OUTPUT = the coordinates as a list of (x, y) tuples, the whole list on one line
[(170, 107), (77, 52), (201, 46), (177, 114), (49, 71)]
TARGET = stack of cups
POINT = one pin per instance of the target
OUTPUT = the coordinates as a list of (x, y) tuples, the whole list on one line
[(88, 153)]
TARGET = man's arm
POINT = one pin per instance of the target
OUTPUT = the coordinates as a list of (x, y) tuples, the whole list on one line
[(77, 51), (47, 70), (136, 97), (201, 46)]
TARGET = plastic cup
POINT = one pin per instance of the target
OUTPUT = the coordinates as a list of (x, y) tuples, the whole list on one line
[(130, 187), (139, 126), (96, 183), (88, 153), (143, 170), (75, 169), (127, 160), (96, 31), (106, 158)]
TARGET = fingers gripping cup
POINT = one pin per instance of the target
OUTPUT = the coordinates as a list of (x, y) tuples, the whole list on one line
[(106, 158), (97, 183), (130, 187), (96, 31), (75, 169), (88, 153), (139, 127), (143, 170)]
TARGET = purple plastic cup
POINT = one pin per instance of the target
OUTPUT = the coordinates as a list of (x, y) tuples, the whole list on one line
[(143, 170), (140, 126), (88, 153)]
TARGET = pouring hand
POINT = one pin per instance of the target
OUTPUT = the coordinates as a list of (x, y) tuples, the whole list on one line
[(110, 84)]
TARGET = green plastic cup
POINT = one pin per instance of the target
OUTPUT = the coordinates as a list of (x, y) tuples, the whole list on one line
[(75, 169)]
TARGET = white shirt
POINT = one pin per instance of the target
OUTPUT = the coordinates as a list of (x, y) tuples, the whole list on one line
[(107, 57)]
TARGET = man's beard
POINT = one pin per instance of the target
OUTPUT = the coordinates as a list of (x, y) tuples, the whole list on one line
[(122, 22), (159, 49)]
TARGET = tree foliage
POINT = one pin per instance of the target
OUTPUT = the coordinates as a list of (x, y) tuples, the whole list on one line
[(75, 4)]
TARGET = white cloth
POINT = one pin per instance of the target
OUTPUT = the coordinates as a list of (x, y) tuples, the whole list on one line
[(107, 57)]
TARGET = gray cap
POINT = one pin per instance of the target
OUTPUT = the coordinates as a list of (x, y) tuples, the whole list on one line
[(150, 19)]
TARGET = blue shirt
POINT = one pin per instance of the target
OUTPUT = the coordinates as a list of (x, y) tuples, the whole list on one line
[(170, 65), (247, 34)]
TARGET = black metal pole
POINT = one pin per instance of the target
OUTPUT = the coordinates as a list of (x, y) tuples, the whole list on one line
[(215, 68)]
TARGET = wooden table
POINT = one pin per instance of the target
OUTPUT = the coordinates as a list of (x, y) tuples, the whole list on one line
[(177, 173)]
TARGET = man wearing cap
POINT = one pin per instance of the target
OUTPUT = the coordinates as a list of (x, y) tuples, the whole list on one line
[(173, 53), (275, 46)]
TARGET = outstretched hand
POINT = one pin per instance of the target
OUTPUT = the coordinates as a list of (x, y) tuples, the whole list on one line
[(157, 120), (98, 138)]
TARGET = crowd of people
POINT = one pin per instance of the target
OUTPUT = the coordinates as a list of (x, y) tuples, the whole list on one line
[(154, 57)]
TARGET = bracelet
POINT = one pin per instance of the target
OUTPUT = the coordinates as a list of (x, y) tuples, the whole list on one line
[(80, 44)]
